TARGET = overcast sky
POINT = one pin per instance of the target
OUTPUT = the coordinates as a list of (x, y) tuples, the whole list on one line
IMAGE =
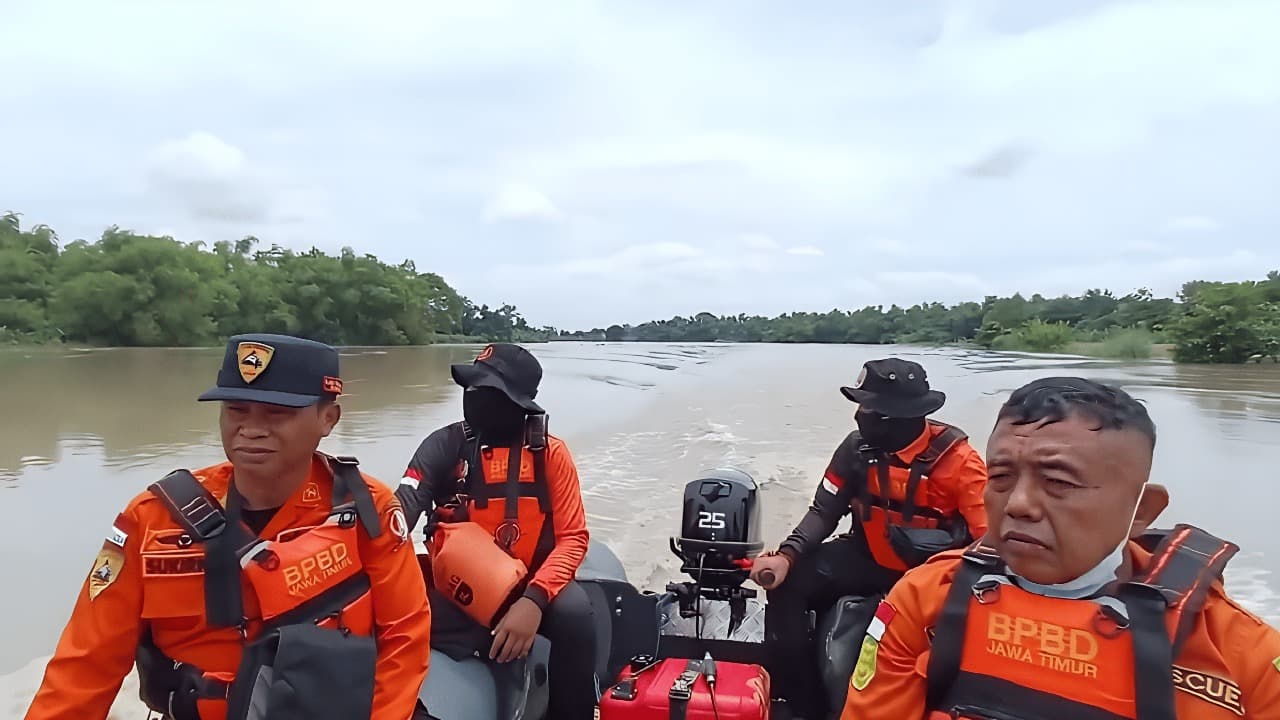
[(625, 160)]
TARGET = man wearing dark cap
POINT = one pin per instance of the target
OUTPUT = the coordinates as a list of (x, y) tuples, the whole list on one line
[(915, 488), (283, 576), (501, 451)]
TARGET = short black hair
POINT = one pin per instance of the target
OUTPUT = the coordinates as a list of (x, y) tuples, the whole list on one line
[(1052, 399)]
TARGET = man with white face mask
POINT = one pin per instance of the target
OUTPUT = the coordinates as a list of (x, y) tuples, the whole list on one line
[(1071, 607)]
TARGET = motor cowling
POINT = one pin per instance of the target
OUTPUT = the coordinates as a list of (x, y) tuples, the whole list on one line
[(719, 528)]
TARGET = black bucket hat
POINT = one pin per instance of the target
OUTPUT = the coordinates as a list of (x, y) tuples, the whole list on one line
[(276, 369), (895, 388), (506, 367)]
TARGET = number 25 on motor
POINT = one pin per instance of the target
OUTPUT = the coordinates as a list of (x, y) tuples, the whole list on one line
[(713, 520)]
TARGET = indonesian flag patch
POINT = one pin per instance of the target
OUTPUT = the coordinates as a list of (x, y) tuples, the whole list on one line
[(866, 667)]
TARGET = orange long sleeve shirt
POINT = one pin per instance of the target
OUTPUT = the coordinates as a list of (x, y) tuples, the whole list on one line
[(96, 650), (1231, 656), (955, 487), (436, 467)]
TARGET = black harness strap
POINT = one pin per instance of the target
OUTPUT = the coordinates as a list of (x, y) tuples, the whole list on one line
[(469, 453), (950, 629), (920, 468), (1152, 651), (171, 687), (511, 488), (877, 462), (198, 512), (481, 491), (348, 484), (922, 465), (536, 439), (191, 504), (1185, 563)]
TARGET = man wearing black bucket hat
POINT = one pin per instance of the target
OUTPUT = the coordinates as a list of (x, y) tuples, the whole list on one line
[(500, 469), (915, 487), (258, 581)]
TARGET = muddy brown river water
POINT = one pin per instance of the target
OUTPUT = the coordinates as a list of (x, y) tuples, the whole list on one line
[(86, 430)]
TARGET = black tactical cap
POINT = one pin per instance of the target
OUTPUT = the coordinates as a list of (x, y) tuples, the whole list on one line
[(276, 369), (507, 367)]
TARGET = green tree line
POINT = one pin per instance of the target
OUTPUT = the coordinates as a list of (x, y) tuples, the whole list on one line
[(127, 289), (1209, 322)]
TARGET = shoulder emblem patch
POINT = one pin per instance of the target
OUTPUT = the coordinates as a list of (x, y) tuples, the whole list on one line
[(106, 569), (865, 669), (397, 523), (1209, 688), (1276, 664)]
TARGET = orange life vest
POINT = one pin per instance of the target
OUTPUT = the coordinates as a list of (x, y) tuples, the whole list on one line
[(1001, 653), (313, 576), (883, 517), (510, 499), (499, 500)]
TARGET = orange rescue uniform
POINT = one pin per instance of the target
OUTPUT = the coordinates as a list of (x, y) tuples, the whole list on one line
[(1060, 651), (97, 647), (952, 489), (549, 529)]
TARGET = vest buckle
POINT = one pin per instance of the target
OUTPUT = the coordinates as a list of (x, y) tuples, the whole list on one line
[(983, 588)]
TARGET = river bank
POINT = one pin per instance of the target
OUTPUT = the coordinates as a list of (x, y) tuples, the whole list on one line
[(641, 420)]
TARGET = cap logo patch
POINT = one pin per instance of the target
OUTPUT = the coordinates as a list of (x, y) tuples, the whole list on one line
[(862, 377), (485, 354), (311, 493), (252, 358), (332, 384)]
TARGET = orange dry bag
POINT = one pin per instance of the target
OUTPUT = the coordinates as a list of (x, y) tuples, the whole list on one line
[(471, 570)]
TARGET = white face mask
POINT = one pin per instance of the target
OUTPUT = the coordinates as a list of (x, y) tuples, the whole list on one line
[(1096, 578)]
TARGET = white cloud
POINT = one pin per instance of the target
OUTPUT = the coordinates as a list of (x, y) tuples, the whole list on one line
[(1191, 223), (930, 285), (757, 241), (1145, 247), (210, 178), (661, 256), (807, 250), (515, 201), (668, 162)]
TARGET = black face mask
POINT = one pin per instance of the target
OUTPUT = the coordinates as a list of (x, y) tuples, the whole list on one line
[(494, 417), (887, 434)]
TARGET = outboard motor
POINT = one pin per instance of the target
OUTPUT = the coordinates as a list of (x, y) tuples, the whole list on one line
[(719, 535)]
